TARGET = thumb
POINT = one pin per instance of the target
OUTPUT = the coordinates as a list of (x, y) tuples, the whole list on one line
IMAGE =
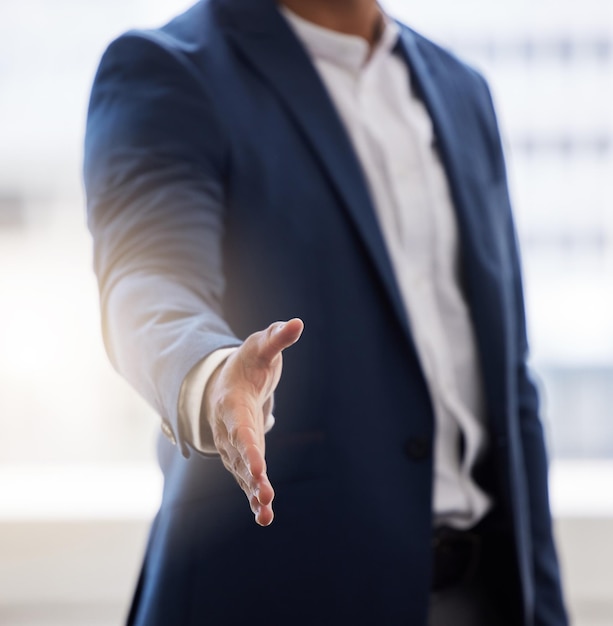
[(277, 337)]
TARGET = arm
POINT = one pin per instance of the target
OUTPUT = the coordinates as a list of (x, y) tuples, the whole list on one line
[(549, 604), (155, 168), (154, 159)]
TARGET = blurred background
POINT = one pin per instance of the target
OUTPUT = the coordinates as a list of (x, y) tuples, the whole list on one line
[(78, 480)]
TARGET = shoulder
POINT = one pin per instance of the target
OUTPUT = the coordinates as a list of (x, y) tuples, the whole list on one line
[(461, 85), (178, 46), (463, 92), (449, 68), (150, 98)]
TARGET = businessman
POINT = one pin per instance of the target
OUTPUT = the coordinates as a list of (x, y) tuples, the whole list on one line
[(300, 209)]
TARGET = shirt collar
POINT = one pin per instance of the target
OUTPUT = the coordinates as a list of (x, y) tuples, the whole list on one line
[(348, 51)]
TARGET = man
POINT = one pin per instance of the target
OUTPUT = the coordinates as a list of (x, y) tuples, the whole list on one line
[(314, 161)]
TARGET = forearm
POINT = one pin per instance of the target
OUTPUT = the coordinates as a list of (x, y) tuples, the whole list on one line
[(156, 331)]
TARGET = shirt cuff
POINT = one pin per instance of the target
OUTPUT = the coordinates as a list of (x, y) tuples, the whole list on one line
[(191, 406)]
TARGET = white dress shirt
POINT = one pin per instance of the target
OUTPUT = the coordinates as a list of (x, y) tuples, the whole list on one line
[(393, 137)]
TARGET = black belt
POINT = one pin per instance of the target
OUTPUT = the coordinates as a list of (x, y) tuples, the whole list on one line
[(456, 557)]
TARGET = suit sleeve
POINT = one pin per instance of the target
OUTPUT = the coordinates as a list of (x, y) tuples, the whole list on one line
[(154, 166), (549, 604)]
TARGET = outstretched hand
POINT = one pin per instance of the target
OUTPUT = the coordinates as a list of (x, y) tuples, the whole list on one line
[(238, 399)]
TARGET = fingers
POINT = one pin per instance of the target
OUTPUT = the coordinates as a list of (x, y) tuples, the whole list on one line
[(242, 452), (246, 443), (238, 398)]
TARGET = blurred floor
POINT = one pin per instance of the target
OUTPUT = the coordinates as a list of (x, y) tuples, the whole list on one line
[(86, 615), (82, 574), (71, 542)]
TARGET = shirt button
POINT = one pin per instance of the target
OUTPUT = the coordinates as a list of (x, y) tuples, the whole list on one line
[(167, 431), (417, 448)]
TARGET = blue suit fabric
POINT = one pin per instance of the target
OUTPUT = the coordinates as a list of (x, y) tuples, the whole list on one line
[(224, 194)]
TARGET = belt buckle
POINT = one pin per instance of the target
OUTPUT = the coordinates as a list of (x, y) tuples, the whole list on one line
[(456, 557)]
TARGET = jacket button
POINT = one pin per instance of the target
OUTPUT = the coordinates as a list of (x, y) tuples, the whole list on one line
[(167, 431), (417, 448)]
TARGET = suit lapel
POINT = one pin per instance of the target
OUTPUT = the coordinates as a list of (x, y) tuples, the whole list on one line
[(481, 248), (457, 141), (266, 42)]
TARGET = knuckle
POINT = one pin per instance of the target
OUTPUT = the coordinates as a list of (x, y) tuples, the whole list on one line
[(248, 343), (236, 401), (220, 436), (220, 444), (240, 435), (251, 345), (270, 331), (241, 483), (232, 437), (236, 465), (225, 459)]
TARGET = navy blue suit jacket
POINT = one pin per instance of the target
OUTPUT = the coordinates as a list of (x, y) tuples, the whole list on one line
[(224, 194)]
